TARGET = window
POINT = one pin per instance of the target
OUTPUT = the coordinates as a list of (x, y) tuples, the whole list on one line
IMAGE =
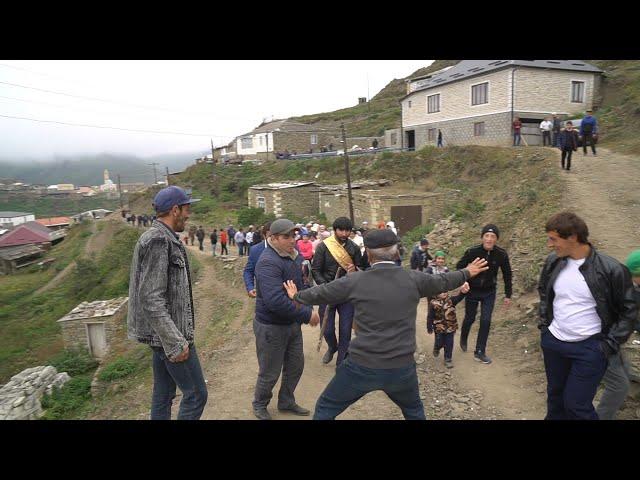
[(433, 103), (431, 135), (260, 141), (409, 103), (314, 139), (480, 94), (394, 138), (247, 142), (577, 92), (261, 203), (478, 129)]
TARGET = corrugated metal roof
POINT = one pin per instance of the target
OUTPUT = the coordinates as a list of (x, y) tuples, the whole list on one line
[(280, 186), (470, 68), (13, 214)]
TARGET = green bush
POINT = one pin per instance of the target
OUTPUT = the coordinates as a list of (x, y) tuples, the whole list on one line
[(414, 235), (73, 395), (74, 362), (118, 369), (253, 216)]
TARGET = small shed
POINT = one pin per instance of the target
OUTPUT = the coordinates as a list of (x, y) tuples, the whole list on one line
[(299, 199), (94, 325), (13, 258)]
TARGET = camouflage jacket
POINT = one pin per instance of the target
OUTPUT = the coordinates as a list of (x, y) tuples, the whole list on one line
[(442, 314)]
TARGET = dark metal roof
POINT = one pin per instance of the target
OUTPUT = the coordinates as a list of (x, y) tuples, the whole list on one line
[(470, 68)]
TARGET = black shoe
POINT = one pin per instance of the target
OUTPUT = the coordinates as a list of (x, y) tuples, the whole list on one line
[(262, 414), (296, 410), (463, 345), (481, 357), (328, 356)]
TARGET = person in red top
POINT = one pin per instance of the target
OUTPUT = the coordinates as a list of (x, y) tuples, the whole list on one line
[(224, 239), (517, 126), (305, 247)]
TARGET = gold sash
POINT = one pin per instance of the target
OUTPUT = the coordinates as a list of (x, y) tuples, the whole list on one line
[(338, 252)]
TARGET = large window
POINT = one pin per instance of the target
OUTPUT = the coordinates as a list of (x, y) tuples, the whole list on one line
[(577, 92), (261, 203), (247, 142), (314, 139), (480, 94), (478, 129), (433, 103)]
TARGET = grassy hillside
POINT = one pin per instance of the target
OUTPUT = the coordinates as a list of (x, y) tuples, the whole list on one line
[(29, 332), (382, 112), (620, 113)]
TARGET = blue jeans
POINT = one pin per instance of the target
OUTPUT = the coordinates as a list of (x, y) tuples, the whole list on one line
[(445, 340), (574, 371), (187, 376), (471, 301), (516, 139), (346, 311), (240, 248), (353, 381)]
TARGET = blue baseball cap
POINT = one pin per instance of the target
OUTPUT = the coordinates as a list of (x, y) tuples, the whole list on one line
[(166, 198)]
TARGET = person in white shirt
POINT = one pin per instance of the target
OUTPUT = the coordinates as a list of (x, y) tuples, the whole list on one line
[(545, 127), (248, 238), (239, 239), (356, 237), (587, 311)]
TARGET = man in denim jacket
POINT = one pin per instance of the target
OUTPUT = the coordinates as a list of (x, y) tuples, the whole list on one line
[(161, 308)]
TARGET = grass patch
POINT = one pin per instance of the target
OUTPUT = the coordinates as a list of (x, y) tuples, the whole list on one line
[(74, 362), (120, 368), (65, 403)]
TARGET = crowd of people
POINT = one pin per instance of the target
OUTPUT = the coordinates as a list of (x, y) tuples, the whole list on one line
[(138, 220), (588, 309)]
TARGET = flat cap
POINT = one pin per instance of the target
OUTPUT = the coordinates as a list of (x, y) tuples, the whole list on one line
[(282, 225), (380, 238)]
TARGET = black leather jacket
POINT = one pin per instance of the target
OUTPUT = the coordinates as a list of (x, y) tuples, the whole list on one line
[(610, 284), (324, 266)]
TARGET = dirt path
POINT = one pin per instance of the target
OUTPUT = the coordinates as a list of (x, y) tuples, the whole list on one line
[(96, 242), (605, 191)]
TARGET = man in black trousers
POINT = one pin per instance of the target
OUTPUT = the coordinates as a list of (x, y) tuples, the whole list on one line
[(483, 289)]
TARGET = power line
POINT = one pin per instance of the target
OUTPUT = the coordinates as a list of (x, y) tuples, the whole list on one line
[(116, 102), (116, 128)]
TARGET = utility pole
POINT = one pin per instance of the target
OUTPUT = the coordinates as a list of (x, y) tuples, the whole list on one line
[(167, 179), (267, 137), (348, 173), (213, 155), (155, 174), (120, 192)]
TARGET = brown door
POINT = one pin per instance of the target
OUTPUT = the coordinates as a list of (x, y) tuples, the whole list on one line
[(406, 217)]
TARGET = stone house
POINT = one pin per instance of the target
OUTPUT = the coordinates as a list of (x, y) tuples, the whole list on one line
[(280, 136), (94, 326), (299, 199), (14, 258), (406, 209), (475, 101)]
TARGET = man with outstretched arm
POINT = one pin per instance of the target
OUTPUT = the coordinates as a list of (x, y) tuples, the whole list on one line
[(386, 299)]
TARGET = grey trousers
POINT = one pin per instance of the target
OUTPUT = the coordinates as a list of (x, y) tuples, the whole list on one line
[(616, 387), (279, 349)]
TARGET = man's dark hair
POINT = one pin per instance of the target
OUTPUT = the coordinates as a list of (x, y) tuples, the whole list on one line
[(342, 223), (567, 224), (266, 227)]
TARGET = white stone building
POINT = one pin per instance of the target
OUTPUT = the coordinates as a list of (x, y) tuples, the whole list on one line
[(13, 219), (475, 101)]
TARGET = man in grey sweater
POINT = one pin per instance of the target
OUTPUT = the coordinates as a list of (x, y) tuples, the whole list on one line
[(385, 298)]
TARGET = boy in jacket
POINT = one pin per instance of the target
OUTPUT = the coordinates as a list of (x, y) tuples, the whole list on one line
[(441, 319), (568, 143)]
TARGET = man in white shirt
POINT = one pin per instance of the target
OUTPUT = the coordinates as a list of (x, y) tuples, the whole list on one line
[(545, 127), (587, 311), (248, 238)]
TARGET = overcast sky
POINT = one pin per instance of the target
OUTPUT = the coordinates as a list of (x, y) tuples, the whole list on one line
[(212, 98)]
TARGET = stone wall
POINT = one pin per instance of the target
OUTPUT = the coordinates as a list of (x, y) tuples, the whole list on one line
[(297, 201), (300, 142), (20, 398), (375, 206), (497, 131), (392, 138)]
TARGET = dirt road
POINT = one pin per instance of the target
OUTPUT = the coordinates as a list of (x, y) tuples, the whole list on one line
[(604, 190)]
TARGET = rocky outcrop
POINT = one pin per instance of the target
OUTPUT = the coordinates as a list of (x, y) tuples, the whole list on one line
[(20, 398)]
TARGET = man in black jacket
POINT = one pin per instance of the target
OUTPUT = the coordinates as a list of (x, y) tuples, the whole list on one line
[(325, 269), (420, 256), (587, 311), (483, 289)]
